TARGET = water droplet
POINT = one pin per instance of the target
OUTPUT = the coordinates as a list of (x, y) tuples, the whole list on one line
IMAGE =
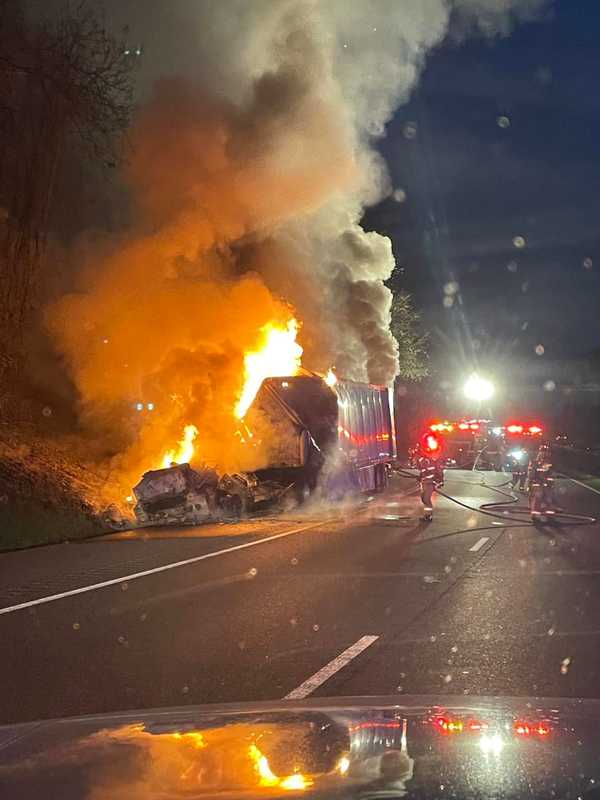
[(399, 688), (293, 621), (315, 627), (454, 649), (399, 195), (430, 579), (448, 301), (540, 349), (185, 689), (47, 411), (409, 130), (512, 266), (447, 569), (519, 241), (549, 386), (124, 587), (551, 631), (447, 678), (525, 287), (451, 287), (76, 626), (242, 645), (143, 616), (433, 638), (294, 561), (564, 667), (253, 572), (121, 639), (503, 122)]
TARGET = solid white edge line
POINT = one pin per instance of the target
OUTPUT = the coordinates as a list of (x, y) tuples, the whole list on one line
[(92, 587), (584, 485), (338, 663), (479, 544)]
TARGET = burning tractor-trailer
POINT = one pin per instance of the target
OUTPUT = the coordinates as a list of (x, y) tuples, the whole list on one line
[(334, 439)]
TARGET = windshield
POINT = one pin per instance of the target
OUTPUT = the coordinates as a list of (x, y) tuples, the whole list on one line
[(299, 353)]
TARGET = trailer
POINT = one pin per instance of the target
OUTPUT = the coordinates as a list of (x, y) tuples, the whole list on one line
[(340, 436)]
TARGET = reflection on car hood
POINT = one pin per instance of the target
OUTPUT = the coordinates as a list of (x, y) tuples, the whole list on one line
[(364, 748)]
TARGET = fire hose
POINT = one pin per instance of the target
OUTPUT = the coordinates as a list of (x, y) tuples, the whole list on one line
[(493, 509)]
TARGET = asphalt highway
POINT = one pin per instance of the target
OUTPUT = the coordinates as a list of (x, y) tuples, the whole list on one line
[(359, 599)]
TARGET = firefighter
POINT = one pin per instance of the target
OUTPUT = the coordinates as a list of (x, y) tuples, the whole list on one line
[(517, 461), (431, 473), (541, 485)]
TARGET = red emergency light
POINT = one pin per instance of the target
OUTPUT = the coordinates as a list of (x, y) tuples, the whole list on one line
[(446, 725), (521, 728), (531, 728), (432, 443), (535, 429), (463, 426), (514, 428)]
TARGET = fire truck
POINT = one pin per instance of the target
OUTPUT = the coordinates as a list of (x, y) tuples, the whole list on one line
[(481, 443)]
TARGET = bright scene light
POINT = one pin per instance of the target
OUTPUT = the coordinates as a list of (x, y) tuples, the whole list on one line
[(491, 744), (477, 388)]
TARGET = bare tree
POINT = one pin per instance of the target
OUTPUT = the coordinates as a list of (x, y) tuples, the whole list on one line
[(62, 84), (412, 343)]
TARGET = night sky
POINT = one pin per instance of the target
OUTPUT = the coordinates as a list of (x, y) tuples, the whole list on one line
[(499, 141)]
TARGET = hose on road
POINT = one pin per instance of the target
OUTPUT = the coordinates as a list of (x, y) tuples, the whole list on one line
[(562, 518)]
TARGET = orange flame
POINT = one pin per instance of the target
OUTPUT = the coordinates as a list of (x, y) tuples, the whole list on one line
[(279, 356), (185, 450), (267, 777)]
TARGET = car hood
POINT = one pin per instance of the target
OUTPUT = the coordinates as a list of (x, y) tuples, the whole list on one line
[(358, 747)]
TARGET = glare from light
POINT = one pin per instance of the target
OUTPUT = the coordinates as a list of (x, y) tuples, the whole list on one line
[(343, 765), (517, 454), (331, 378), (478, 388), (295, 782), (497, 431), (491, 744)]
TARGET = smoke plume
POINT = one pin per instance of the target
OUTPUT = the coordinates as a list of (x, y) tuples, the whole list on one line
[(252, 163)]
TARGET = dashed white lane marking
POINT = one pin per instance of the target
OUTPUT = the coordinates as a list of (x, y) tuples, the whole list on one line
[(479, 544), (173, 565), (338, 663)]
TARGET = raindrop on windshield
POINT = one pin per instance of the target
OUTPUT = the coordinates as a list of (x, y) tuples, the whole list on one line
[(410, 130), (519, 241)]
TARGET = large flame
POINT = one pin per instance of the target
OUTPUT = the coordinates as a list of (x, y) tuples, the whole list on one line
[(185, 450), (280, 355)]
